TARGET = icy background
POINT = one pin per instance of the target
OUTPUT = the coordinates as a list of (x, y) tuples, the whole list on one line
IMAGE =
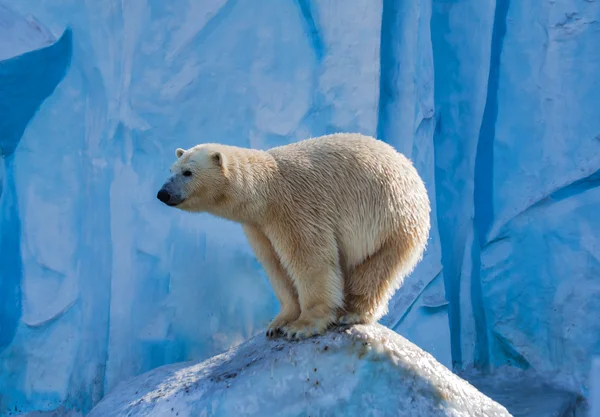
[(496, 102)]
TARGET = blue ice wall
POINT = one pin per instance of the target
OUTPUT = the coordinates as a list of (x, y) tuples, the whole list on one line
[(495, 102), (26, 81)]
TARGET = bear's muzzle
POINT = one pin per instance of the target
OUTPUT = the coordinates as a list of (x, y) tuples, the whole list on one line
[(169, 199)]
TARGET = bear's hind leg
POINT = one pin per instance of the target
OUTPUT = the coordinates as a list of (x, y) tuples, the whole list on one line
[(279, 278), (371, 284), (312, 261)]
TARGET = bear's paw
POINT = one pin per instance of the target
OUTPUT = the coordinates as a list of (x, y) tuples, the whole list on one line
[(304, 328), (284, 317)]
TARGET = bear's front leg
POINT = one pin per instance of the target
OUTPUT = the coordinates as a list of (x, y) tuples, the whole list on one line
[(280, 281), (311, 258)]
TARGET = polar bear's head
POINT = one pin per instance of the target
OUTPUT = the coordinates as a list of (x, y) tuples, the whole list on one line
[(198, 180)]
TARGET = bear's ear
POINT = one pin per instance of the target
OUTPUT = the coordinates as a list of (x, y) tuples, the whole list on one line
[(217, 158), (179, 152)]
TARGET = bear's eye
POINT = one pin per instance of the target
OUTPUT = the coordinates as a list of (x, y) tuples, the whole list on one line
[(187, 173)]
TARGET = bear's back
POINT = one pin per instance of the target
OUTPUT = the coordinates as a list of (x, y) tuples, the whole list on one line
[(360, 186), (346, 168)]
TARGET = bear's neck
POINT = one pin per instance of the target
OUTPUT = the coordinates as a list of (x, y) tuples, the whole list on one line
[(251, 174)]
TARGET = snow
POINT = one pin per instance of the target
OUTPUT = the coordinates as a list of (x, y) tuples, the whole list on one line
[(363, 370), (494, 100)]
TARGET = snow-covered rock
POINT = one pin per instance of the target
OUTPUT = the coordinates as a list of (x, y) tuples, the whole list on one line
[(357, 371)]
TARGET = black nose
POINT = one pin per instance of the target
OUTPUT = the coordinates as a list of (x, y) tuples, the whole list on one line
[(163, 196)]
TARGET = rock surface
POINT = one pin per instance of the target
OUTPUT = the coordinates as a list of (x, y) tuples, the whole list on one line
[(362, 370)]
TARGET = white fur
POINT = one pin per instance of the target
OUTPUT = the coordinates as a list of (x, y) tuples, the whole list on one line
[(336, 221)]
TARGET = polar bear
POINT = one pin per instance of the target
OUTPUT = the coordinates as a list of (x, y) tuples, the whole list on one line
[(337, 221)]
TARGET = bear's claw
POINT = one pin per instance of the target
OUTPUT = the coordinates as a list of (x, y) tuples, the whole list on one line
[(273, 332)]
